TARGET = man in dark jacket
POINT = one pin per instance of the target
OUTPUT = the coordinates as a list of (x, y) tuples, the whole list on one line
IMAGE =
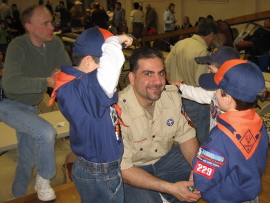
[(100, 17), (64, 15), (150, 17)]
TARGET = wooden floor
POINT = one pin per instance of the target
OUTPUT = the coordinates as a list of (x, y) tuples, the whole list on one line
[(68, 194)]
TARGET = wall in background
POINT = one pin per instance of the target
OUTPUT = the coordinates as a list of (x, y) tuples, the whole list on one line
[(196, 8), (192, 8)]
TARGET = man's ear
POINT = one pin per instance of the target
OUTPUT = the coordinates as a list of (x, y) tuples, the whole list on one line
[(28, 26), (131, 78)]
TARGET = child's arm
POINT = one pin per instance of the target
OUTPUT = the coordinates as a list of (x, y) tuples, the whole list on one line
[(111, 62), (196, 94)]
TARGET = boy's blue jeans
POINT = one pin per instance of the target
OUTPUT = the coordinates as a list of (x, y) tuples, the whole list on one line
[(172, 167), (98, 182), (200, 116), (36, 138)]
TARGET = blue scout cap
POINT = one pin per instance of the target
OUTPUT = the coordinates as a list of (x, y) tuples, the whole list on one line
[(89, 43), (241, 79), (219, 55)]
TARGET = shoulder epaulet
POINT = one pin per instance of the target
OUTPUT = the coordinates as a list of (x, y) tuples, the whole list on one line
[(171, 88)]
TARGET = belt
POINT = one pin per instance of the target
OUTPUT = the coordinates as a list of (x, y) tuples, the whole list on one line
[(99, 167)]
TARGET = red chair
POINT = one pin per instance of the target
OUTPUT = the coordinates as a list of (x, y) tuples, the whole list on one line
[(240, 44)]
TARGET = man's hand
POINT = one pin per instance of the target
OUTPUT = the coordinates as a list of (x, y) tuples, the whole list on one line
[(126, 40), (51, 79), (180, 191)]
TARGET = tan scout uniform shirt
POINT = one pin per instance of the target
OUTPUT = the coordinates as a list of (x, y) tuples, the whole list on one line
[(180, 61), (146, 140)]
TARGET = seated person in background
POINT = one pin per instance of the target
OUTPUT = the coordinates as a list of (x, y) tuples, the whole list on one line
[(88, 22), (30, 66), (3, 36), (17, 19), (210, 17), (199, 20), (11, 29), (228, 167), (151, 164), (112, 28), (86, 97), (41, 2), (186, 25), (16, 13), (217, 57)]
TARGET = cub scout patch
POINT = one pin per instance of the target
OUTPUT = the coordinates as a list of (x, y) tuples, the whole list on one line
[(210, 157), (204, 170), (209, 160)]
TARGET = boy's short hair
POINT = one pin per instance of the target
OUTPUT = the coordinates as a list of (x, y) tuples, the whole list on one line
[(219, 55), (77, 59), (89, 43), (241, 79), (241, 105)]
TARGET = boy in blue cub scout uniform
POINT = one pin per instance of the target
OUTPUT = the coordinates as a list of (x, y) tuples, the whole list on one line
[(229, 165), (86, 96)]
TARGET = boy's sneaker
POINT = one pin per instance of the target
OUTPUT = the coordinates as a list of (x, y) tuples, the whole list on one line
[(44, 189)]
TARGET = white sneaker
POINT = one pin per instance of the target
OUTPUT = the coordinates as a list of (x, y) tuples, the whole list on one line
[(44, 189), (12, 198)]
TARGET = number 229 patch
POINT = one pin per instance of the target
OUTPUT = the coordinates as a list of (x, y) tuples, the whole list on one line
[(204, 170)]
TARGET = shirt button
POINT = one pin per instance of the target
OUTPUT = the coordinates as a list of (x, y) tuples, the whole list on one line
[(173, 137), (141, 149), (156, 150), (124, 100), (153, 136), (153, 122)]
